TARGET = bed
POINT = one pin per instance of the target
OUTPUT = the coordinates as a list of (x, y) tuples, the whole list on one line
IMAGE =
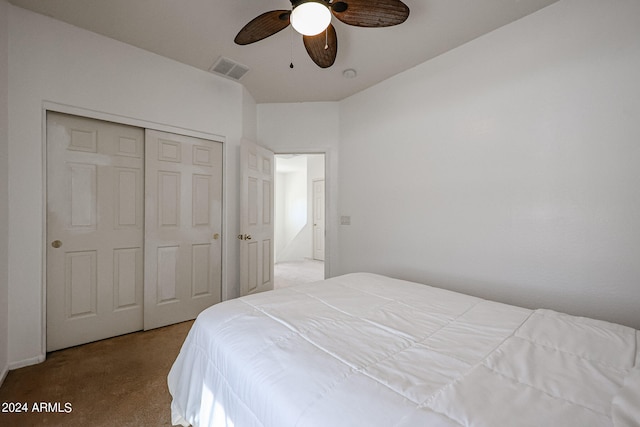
[(368, 350)]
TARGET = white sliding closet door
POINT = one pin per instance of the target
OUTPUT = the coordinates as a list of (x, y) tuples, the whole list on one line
[(183, 222), (133, 229), (94, 230)]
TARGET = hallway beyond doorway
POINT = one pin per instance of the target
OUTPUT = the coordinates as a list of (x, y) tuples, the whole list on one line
[(297, 272)]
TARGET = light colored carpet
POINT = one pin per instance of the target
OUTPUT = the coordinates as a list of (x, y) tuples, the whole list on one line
[(120, 381), (297, 272)]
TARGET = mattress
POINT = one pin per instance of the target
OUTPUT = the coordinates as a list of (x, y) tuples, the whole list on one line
[(368, 350)]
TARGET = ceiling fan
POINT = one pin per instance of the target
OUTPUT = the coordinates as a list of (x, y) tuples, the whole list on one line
[(312, 18)]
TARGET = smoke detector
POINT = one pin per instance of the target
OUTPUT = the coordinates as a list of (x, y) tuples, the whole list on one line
[(349, 73), (229, 68)]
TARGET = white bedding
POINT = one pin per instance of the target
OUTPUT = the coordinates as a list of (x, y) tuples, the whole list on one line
[(367, 350)]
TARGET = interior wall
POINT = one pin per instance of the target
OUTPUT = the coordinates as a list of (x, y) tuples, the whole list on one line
[(291, 210), (52, 62), (279, 225), (232, 195), (4, 178), (507, 168), (310, 127)]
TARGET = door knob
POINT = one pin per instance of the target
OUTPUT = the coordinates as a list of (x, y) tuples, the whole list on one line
[(56, 244), (216, 236)]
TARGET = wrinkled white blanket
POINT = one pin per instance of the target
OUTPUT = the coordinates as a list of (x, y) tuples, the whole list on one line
[(367, 350)]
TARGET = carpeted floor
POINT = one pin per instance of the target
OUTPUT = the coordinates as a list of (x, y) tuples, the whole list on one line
[(296, 272), (121, 381)]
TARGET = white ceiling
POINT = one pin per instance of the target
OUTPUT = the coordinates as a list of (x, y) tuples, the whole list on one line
[(197, 32)]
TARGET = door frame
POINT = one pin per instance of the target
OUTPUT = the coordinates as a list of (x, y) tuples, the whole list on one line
[(330, 197), (130, 121)]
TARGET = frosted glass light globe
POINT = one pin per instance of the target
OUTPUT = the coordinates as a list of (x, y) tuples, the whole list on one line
[(310, 18)]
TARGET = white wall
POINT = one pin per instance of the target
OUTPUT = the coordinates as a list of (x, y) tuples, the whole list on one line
[(52, 62), (508, 168), (311, 127), (291, 210), (232, 194), (4, 177)]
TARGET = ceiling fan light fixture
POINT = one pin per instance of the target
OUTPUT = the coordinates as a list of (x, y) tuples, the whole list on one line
[(310, 18)]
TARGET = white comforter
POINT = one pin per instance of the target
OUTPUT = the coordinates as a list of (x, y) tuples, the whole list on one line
[(367, 350)]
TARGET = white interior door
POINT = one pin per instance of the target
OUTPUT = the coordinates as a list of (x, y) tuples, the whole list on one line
[(183, 222), (318, 219), (94, 230), (256, 218)]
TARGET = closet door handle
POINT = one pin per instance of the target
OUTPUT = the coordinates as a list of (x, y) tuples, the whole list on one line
[(56, 244), (244, 236)]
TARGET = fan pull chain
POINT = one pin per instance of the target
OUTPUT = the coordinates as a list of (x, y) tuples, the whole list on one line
[(326, 38), (291, 46)]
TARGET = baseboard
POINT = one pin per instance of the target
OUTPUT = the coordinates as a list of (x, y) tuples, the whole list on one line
[(27, 362)]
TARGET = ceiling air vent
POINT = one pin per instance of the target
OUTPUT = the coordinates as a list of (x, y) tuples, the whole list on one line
[(229, 68)]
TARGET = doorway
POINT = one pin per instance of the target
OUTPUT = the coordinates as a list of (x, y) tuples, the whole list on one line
[(299, 219)]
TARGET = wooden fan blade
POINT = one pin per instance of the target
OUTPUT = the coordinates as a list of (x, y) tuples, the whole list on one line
[(322, 48), (263, 26), (370, 13)]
